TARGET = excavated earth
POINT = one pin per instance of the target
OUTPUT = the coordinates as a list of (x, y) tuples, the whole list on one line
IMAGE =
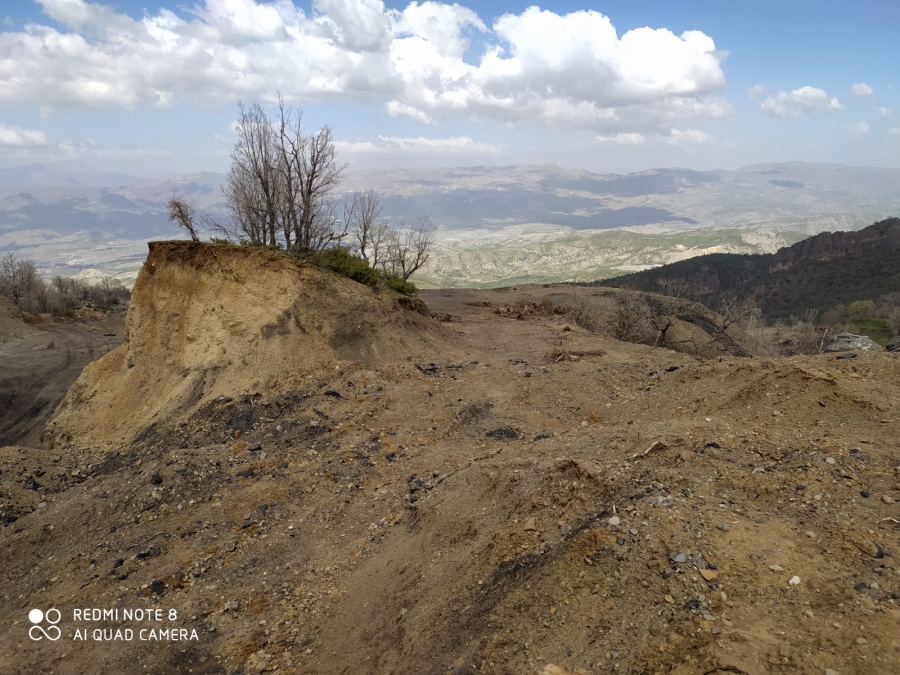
[(497, 493)]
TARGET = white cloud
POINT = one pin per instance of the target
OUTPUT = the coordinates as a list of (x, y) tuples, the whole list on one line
[(623, 139), (17, 137), (802, 101), (756, 91), (457, 145), (397, 109), (858, 130), (895, 132), (687, 137), (537, 66), (881, 110), (861, 89)]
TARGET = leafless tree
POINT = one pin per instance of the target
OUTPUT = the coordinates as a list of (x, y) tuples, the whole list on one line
[(182, 211), (254, 189), (280, 189), (409, 247), (361, 213), (17, 278)]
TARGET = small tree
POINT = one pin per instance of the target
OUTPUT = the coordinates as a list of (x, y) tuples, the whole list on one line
[(17, 278), (409, 247), (182, 212), (372, 234)]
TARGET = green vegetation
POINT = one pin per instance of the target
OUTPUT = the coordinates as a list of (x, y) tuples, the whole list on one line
[(877, 329), (341, 261)]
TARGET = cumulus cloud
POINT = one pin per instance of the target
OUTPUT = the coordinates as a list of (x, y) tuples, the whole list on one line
[(802, 101), (537, 66), (623, 139), (17, 137), (881, 110), (397, 109), (858, 130), (861, 89), (456, 145)]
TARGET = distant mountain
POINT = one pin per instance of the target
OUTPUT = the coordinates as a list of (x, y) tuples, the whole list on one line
[(815, 273), (497, 225)]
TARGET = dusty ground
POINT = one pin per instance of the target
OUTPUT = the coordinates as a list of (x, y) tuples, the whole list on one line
[(37, 368), (529, 495)]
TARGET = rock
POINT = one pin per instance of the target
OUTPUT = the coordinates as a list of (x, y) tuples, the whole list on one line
[(503, 433), (887, 499), (846, 342), (530, 525), (564, 529), (794, 581), (864, 493), (709, 575), (672, 369), (830, 460), (724, 527), (670, 599), (678, 558), (614, 521), (776, 568)]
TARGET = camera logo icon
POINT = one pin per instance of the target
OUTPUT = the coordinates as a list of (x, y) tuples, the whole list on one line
[(37, 631)]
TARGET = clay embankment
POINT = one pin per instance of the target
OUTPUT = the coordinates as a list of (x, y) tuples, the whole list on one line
[(210, 321)]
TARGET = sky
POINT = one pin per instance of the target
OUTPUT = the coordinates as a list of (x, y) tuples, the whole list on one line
[(151, 87)]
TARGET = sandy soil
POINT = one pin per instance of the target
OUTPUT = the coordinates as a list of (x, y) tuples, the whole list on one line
[(36, 371), (531, 498)]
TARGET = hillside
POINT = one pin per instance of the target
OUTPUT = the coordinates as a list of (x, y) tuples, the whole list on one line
[(209, 320), (817, 273), (305, 477)]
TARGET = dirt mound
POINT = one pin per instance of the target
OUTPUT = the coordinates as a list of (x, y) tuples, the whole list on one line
[(552, 501), (12, 322), (208, 321)]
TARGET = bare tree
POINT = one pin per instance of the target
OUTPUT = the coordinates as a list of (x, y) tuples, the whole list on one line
[(254, 189), (372, 233), (280, 189), (182, 211), (17, 278), (409, 248)]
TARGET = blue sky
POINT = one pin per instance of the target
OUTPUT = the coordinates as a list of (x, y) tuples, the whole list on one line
[(151, 88)]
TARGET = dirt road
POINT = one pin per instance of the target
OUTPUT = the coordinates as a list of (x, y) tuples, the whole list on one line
[(36, 372)]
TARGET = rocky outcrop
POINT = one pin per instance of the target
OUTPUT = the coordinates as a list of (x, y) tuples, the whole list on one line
[(209, 320), (848, 342)]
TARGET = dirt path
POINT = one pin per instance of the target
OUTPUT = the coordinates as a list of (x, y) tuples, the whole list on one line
[(36, 372)]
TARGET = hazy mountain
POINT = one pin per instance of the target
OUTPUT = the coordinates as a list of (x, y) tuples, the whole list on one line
[(816, 273), (497, 224)]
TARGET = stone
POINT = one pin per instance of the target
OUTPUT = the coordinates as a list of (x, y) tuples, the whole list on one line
[(794, 581), (830, 460), (887, 499), (530, 525), (709, 575), (847, 342), (670, 599), (614, 521), (724, 527)]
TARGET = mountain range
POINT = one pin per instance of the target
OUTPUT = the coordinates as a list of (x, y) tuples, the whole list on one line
[(497, 225)]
